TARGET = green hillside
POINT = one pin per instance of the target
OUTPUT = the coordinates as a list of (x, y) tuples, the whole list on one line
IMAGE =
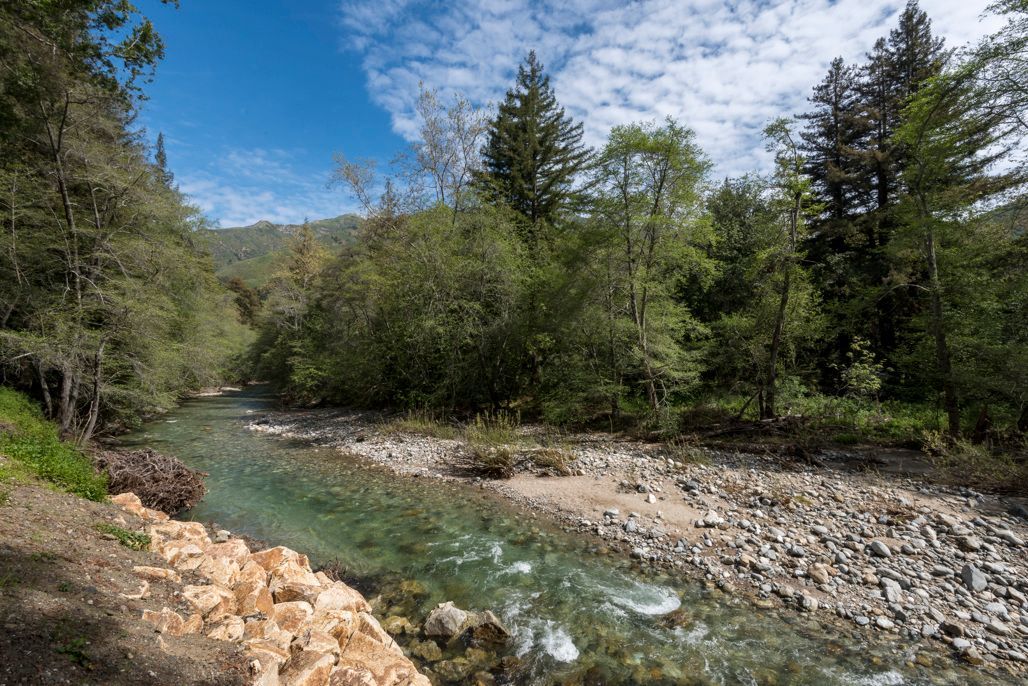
[(250, 252)]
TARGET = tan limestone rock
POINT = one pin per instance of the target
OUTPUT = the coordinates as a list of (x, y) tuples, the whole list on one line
[(223, 571), (251, 571), (385, 666), (229, 629), (273, 557), (213, 602), (292, 616), (232, 549), (268, 630), (338, 623), (370, 627), (167, 621), (317, 641), (339, 596), (307, 668), (253, 597), (182, 554), (348, 675), (291, 571), (157, 574), (285, 591)]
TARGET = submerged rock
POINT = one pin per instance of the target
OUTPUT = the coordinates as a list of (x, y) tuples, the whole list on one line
[(485, 629)]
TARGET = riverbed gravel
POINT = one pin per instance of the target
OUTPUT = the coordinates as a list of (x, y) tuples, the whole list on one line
[(889, 553)]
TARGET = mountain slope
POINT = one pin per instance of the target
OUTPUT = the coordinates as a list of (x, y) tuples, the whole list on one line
[(250, 252), (246, 242)]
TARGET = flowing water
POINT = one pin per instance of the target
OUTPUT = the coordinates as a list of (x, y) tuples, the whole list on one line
[(577, 616)]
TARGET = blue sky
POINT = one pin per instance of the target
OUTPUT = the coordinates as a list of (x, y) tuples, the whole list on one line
[(255, 96)]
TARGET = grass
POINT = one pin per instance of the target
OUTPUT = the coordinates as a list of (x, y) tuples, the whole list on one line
[(494, 429), (130, 539), (423, 423), (30, 440)]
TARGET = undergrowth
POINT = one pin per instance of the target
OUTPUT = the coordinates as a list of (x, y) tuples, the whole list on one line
[(31, 441), (130, 539)]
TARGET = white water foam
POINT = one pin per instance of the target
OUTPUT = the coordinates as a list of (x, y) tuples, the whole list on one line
[(645, 599), (521, 567), (694, 635), (558, 644)]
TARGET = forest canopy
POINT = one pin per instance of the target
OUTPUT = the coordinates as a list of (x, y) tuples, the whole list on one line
[(109, 309), (878, 269)]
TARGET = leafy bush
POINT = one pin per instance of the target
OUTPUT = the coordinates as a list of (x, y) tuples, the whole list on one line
[(134, 540), (969, 463), (32, 441)]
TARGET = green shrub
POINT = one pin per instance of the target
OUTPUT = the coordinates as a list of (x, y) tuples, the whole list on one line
[(29, 439), (130, 539), (969, 463)]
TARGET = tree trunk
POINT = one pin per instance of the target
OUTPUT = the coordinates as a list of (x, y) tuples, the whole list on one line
[(768, 404), (64, 408), (44, 386), (951, 402), (94, 403)]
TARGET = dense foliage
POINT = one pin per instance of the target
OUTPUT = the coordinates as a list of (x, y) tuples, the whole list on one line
[(108, 304), (881, 264), (31, 441)]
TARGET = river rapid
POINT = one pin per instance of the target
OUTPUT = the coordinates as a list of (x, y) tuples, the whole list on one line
[(577, 615)]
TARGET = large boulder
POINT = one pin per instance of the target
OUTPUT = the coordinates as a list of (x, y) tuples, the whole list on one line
[(292, 616), (167, 621), (445, 621), (212, 602), (485, 629), (307, 668)]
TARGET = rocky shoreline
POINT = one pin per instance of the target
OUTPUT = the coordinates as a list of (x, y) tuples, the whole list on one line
[(893, 555), (296, 627)]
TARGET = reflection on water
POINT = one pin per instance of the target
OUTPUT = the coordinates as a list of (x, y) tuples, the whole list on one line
[(576, 616)]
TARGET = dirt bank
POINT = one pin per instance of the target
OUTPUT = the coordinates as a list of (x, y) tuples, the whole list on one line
[(69, 606)]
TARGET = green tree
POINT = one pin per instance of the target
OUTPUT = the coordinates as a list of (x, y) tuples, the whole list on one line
[(648, 181), (533, 150)]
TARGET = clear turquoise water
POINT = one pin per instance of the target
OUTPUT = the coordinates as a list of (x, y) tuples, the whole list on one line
[(577, 616)]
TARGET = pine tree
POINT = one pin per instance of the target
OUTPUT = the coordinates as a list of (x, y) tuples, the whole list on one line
[(533, 150), (897, 68), (833, 130), (160, 159)]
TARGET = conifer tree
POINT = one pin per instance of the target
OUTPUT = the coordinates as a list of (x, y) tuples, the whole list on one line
[(160, 159), (833, 130), (533, 150)]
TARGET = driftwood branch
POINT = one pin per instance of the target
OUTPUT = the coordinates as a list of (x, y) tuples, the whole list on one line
[(162, 482)]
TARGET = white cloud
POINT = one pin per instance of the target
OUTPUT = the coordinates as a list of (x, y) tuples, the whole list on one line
[(245, 186), (723, 68)]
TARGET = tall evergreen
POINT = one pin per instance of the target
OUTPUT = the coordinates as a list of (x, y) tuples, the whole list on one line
[(160, 159), (833, 131), (533, 149)]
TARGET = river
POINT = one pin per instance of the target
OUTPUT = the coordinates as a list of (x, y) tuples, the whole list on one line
[(576, 615)]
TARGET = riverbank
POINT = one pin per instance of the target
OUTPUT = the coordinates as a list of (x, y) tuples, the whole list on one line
[(71, 604), (893, 555)]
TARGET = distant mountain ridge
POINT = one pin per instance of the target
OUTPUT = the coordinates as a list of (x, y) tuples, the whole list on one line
[(250, 252), (239, 243)]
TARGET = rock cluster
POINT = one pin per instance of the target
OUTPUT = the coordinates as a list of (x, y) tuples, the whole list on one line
[(918, 561), (298, 627)]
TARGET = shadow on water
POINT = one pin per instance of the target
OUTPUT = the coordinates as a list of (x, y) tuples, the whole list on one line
[(576, 616)]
